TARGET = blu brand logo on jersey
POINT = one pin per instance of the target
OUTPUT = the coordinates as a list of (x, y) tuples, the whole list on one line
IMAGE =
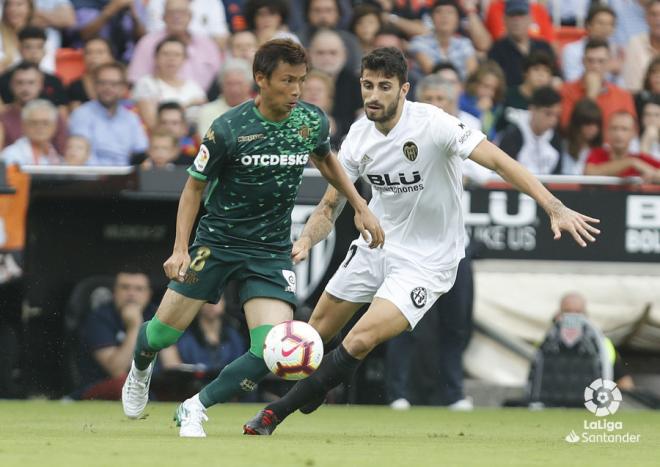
[(386, 180)]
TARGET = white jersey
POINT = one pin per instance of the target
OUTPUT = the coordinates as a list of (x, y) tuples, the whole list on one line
[(415, 175)]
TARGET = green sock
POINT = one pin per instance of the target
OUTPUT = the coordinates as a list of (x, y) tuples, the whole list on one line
[(152, 337), (242, 374)]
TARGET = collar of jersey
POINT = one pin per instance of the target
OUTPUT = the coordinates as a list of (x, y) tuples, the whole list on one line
[(264, 119)]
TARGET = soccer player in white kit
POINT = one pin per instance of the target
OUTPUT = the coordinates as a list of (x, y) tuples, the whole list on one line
[(411, 155)]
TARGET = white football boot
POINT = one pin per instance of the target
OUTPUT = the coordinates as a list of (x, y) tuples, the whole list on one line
[(189, 416), (135, 393)]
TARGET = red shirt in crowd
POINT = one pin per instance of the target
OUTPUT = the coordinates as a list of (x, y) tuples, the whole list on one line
[(540, 27), (601, 156)]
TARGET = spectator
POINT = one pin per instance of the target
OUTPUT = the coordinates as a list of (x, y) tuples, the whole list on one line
[(39, 121), (77, 151), (510, 50), (404, 16), (594, 85), (97, 51), (584, 132), (567, 12), (327, 53), (203, 59), (537, 22), (650, 128), (444, 45), (171, 117), (325, 14), (267, 20), (642, 49), (54, 16), (236, 83), (319, 89), (120, 22), (631, 19), (534, 141), (243, 45), (31, 47), (651, 86), (600, 24), (616, 159), (16, 14), (208, 18), (103, 119), (538, 68), (209, 342), (162, 152), (484, 93), (367, 21), (574, 302), (164, 85), (26, 85), (109, 333)]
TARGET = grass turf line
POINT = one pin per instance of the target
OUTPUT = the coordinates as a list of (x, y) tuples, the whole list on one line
[(41, 433)]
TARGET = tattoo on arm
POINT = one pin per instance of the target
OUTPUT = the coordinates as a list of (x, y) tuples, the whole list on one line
[(324, 216)]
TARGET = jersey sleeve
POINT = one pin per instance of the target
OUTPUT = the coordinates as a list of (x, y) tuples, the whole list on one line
[(212, 152), (322, 148), (453, 136)]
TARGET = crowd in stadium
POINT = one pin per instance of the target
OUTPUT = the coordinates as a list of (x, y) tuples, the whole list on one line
[(574, 94), (565, 87)]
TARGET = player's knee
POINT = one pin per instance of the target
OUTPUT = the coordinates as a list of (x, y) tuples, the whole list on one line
[(360, 343)]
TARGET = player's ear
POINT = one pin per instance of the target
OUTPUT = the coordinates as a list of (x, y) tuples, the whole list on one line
[(404, 89), (260, 79)]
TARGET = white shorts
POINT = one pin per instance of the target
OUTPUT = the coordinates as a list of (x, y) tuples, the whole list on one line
[(367, 273)]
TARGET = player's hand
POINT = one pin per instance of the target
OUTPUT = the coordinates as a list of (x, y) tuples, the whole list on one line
[(578, 225), (300, 250), (369, 227), (131, 315), (176, 265)]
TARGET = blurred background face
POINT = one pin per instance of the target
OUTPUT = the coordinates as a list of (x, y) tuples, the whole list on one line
[(545, 118), (96, 53), (601, 26), (76, 151), (162, 150), (445, 19), (589, 131), (327, 53), (174, 122), (620, 132), (131, 288), (516, 26), (323, 13), (653, 18), (26, 85), (573, 303), (651, 115), (39, 126), (177, 16), (32, 50), (315, 91), (235, 87), (267, 19), (452, 79), (366, 28), (244, 45), (436, 96), (596, 60), (16, 13), (388, 40), (487, 86), (539, 76), (170, 58), (110, 87)]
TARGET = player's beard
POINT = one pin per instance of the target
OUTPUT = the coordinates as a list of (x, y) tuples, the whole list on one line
[(387, 114)]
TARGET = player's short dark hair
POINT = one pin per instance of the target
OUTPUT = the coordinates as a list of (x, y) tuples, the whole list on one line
[(280, 7), (596, 44), (31, 32), (538, 58), (445, 66), (387, 60), (598, 9), (171, 105), (167, 40), (545, 97), (275, 51)]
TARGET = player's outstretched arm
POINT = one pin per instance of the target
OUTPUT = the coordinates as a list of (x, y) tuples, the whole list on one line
[(561, 217), (365, 221), (176, 265), (319, 225)]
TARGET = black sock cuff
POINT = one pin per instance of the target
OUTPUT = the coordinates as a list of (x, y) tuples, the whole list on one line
[(345, 360)]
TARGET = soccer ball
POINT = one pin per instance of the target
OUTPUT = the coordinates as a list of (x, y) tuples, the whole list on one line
[(293, 350)]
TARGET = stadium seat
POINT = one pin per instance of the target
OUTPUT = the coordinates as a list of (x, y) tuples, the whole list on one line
[(86, 296), (567, 34), (69, 65), (572, 355)]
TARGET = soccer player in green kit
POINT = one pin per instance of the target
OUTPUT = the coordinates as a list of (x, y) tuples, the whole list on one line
[(253, 157)]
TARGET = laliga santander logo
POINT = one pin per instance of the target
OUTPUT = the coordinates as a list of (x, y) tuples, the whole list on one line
[(602, 397)]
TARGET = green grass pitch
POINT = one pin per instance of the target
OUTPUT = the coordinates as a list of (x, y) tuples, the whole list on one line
[(97, 434)]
